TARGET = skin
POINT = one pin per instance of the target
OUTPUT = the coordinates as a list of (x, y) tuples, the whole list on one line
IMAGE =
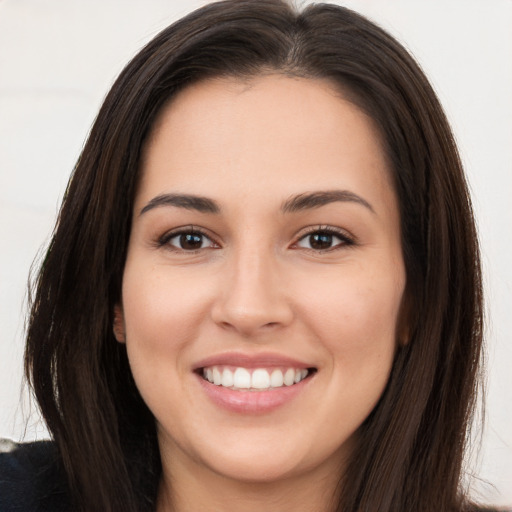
[(257, 285)]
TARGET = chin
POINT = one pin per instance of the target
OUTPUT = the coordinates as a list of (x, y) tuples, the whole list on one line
[(250, 471), (258, 462)]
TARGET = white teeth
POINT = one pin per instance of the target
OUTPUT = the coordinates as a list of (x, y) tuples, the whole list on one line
[(217, 376), (227, 378), (289, 377), (259, 379), (276, 379), (242, 379)]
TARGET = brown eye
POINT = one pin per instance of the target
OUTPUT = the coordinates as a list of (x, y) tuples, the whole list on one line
[(323, 241), (190, 241), (320, 241)]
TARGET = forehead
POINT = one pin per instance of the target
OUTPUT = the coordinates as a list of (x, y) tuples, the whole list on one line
[(270, 135)]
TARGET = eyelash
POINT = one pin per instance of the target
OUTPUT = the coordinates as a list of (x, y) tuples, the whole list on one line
[(164, 240), (345, 240)]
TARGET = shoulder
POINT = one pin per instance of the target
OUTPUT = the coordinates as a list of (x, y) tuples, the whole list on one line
[(31, 478)]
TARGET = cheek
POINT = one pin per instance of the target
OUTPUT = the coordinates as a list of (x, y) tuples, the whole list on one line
[(164, 312), (163, 315), (355, 316), (162, 308), (352, 315)]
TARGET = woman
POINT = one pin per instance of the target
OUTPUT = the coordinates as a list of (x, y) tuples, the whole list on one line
[(263, 290)]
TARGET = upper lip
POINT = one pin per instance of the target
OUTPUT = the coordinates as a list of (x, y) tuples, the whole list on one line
[(262, 360)]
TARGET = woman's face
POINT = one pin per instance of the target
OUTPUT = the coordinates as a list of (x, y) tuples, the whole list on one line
[(264, 256)]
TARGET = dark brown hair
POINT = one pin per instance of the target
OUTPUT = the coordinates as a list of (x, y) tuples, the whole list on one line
[(411, 449)]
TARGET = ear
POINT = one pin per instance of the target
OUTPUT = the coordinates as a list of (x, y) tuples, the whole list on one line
[(118, 327), (403, 333), (405, 320)]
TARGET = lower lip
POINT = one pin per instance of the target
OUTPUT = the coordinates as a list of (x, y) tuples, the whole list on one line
[(252, 402)]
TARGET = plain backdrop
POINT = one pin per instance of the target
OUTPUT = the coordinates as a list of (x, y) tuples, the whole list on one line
[(57, 61)]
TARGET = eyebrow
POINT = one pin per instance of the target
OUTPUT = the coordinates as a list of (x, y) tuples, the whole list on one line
[(301, 202), (310, 200), (187, 201)]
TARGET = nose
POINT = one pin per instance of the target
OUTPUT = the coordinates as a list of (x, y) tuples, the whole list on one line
[(253, 295)]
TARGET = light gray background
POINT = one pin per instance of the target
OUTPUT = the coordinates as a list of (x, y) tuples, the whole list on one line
[(57, 61)]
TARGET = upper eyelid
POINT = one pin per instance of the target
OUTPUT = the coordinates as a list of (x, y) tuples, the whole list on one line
[(186, 229), (303, 232), (170, 234), (347, 240), (309, 230)]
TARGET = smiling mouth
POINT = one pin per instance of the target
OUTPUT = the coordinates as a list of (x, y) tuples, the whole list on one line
[(254, 379)]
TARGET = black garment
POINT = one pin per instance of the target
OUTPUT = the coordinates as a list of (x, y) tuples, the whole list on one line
[(31, 478)]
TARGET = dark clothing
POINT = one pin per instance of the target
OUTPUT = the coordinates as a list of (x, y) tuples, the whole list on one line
[(31, 478)]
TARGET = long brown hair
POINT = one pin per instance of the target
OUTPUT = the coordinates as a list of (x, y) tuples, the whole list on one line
[(411, 449)]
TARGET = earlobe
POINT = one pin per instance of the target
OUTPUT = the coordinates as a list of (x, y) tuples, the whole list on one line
[(404, 336), (405, 321), (118, 326)]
